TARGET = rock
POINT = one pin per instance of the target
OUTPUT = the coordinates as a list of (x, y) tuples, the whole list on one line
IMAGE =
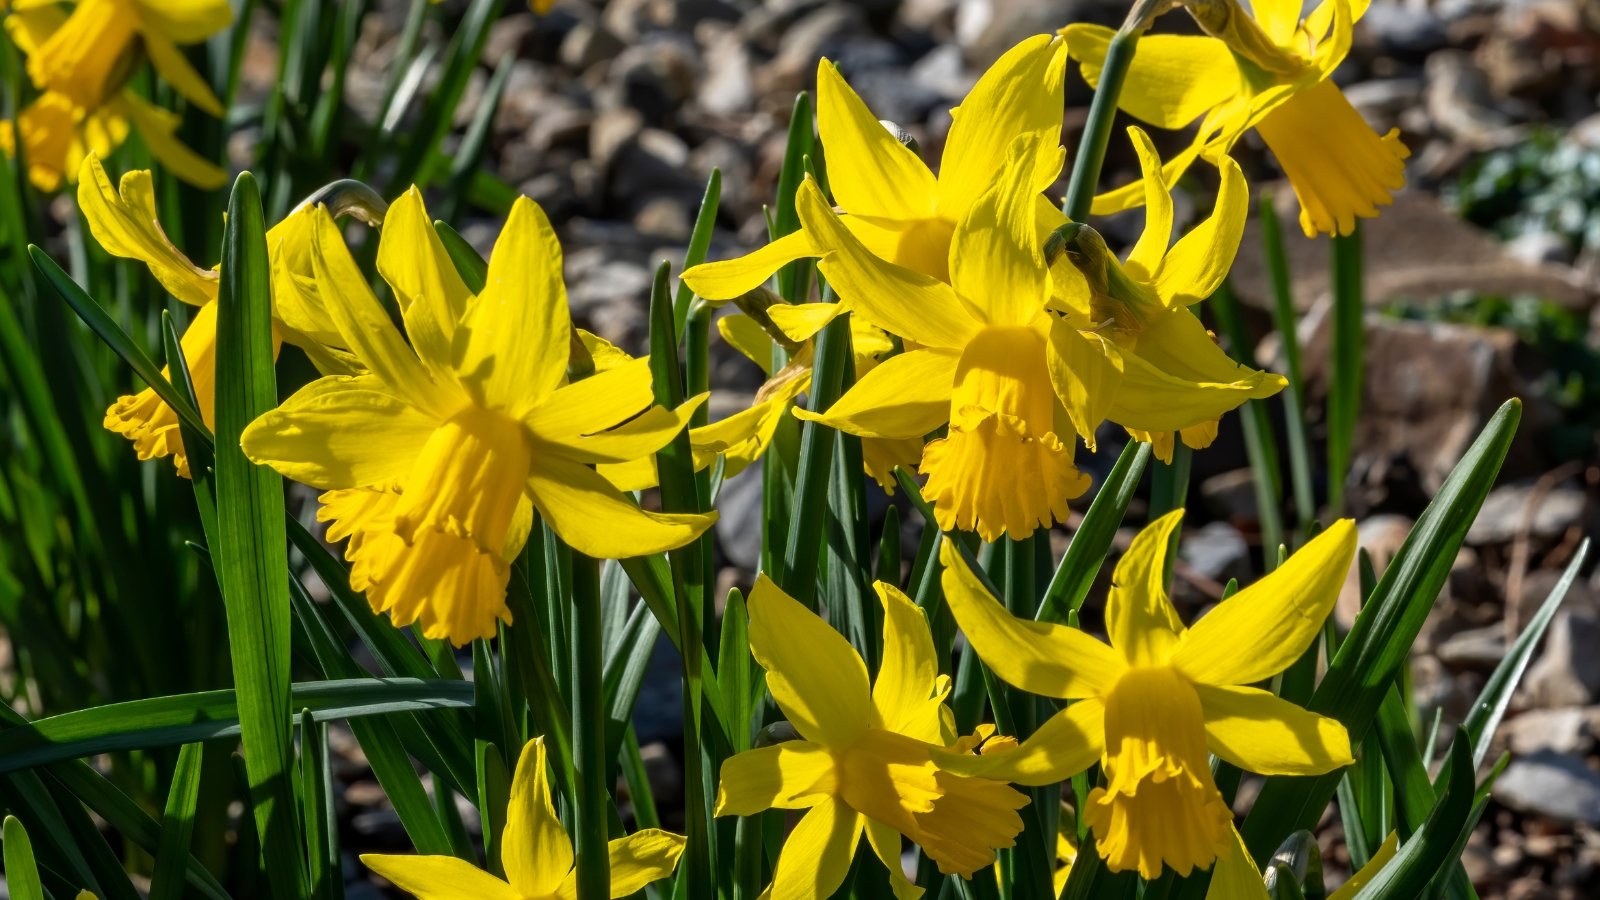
[(655, 76), (1545, 513), (609, 132), (1478, 648), (728, 86), (1231, 495), (560, 126), (1403, 30), (739, 525), (1383, 102), (663, 217), (817, 35), (1569, 730), (1540, 247), (508, 37), (1551, 784), (944, 73), (589, 44), (1567, 672), (1218, 551), (895, 98)]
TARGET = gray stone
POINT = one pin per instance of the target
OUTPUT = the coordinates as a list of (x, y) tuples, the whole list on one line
[(1551, 784), (655, 76), (1567, 672), (1569, 730), (1477, 648), (1404, 30), (1218, 551), (588, 44), (739, 525), (1544, 512), (728, 86), (1540, 247), (1231, 495)]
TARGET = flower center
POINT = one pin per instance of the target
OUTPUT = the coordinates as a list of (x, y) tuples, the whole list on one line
[(924, 246), (83, 60), (1160, 805), (467, 480)]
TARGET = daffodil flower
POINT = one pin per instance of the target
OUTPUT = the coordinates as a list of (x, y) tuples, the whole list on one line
[(535, 852), (450, 442), (1154, 701), (1271, 73), (89, 57), (864, 763), (122, 218), (1236, 876), (895, 206), (1137, 356), (57, 131)]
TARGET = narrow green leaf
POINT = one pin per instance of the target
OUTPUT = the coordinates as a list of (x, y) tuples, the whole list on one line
[(472, 267), (1092, 541), (1440, 839), (22, 872), (1347, 369), (177, 825)]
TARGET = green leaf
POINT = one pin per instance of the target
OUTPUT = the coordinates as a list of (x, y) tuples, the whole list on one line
[(469, 155), (1092, 541), (472, 267), (177, 825), (316, 799), (705, 222), (1347, 365), (22, 872)]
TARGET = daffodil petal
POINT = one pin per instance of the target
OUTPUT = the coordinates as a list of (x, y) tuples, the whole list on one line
[(816, 677), (174, 68), (1173, 79), (1067, 743), (1145, 257), (518, 330), (1196, 265), (123, 222), (185, 21), (741, 439), (641, 858), (1021, 93), (801, 321), (534, 846), (904, 693), (1149, 399), (595, 519), (1277, 617), (870, 171), (790, 775), (885, 843), (341, 431), (1039, 657), (816, 856), (638, 437), (905, 396), (1177, 343), (1133, 193), (914, 306), (157, 126), (1139, 618), (1085, 372), (1235, 876), (745, 335), (995, 253), (439, 878), (594, 404), (429, 290), (729, 278), (1263, 733)]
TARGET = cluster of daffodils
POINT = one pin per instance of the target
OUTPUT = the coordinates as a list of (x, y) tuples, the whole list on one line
[(992, 336)]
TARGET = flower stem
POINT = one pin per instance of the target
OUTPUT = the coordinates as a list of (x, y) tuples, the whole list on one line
[(589, 732), (1097, 132)]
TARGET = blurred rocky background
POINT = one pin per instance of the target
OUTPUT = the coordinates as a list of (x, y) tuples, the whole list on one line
[(1481, 285)]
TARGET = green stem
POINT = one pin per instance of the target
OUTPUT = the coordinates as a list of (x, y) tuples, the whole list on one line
[(1102, 112), (588, 728), (810, 511), (1348, 347)]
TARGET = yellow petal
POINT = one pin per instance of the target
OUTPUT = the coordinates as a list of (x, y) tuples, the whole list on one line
[(123, 222), (1263, 733), (1277, 617), (1335, 15), (1139, 618), (340, 432), (790, 775), (1279, 19), (1235, 876), (1177, 343), (597, 520), (973, 818), (1385, 853), (816, 677), (174, 67), (870, 171), (1086, 373), (741, 439), (439, 878), (905, 396), (1145, 257), (1173, 79), (745, 335), (635, 439), (152, 425), (518, 331), (641, 858), (431, 294), (996, 260), (730, 278), (1149, 399), (1196, 265), (80, 59), (816, 856), (534, 847), (1021, 93), (364, 325), (885, 843), (1039, 657), (185, 21), (594, 404), (801, 321), (1132, 194), (1067, 743), (905, 694), (914, 306), (158, 126)]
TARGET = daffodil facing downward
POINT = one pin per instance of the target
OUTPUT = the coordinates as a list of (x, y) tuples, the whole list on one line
[(1136, 355), (893, 204), (1152, 703), (1271, 72), (864, 762), (435, 459), (535, 852)]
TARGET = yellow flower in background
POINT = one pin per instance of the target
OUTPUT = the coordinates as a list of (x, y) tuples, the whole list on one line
[(89, 56), (451, 442), (894, 206), (535, 852), (57, 131), (864, 761), (1137, 348), (1152, 703), (1271, 73), (122, 218), (1236, 876)]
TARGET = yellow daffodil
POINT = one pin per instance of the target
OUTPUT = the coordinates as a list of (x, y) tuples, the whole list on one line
[(1154, 701), (864, 762), (535, 852), (91, 54), (57, 131), (1137, 347), (451, 442), (1066, 855), (1236, 876), (1272, 73), (123, 220), (895, 206)]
